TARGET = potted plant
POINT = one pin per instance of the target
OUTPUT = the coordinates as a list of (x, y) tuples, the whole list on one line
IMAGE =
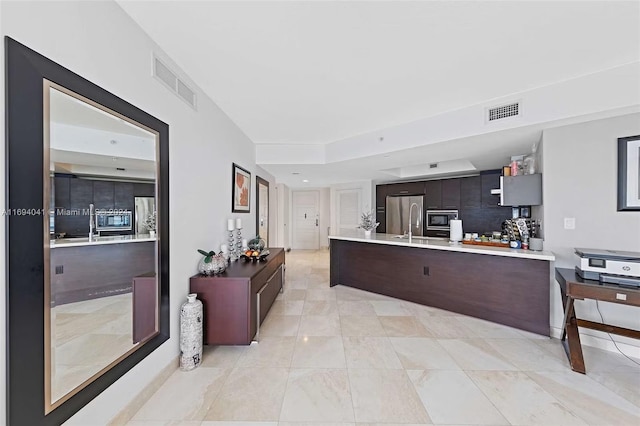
[(211, 263), (368, 223), (150, 224)]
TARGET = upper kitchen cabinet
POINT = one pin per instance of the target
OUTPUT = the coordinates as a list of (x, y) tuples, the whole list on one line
[(524, 190), (433, 199), (490, 180), (470, 192), (405, 188), (450, 194), (80, 193), (103, 197), (61, 191), (123, 196), (144, 190)]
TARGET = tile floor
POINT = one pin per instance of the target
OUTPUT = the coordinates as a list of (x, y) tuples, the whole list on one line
[(343, 356), (86, 337)]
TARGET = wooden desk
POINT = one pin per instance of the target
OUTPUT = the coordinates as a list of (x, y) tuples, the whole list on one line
[(573, 287)]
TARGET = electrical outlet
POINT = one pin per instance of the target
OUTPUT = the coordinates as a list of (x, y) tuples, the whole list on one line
[(569, 223)]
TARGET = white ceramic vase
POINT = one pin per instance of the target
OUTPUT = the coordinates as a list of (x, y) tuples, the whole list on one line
[(367, 233), (190, 333)]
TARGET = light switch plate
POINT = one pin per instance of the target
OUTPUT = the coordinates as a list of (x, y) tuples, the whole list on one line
[(569, 223)]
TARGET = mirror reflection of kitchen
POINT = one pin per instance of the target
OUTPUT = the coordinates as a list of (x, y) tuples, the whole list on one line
[(102, 241)]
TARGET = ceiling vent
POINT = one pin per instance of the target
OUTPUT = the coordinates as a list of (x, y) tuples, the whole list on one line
[(433, 165), (503, 111), (173, 82)]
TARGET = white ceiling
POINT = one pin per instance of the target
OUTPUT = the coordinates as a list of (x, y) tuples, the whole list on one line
[(88, 141), (319, 72)]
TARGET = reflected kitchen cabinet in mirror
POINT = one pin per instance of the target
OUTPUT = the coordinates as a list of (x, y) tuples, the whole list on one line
[(101, 286)]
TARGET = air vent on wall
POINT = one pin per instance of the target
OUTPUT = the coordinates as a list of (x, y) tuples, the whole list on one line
[(173, 82), (433, 165), (503, 111)]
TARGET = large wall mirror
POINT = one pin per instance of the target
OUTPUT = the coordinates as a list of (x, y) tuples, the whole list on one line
[(87, 255), (262, 209)]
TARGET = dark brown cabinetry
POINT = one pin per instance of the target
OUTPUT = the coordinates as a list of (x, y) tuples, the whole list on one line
[(72, 197), (80, 193), (451, 194), (61, 190), (103, 197), (433, 199), (470, 192), (123, 195), (490, 180), (236, 301), (506, 290), (144, 190), (145, 306)]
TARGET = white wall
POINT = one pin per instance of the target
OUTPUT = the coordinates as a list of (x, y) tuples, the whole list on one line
[(580, 181), (100, 42)]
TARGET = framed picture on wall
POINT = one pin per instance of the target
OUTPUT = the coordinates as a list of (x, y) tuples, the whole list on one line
[(629, 173), (241, 190)]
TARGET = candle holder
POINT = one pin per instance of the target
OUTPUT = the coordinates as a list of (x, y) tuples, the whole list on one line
[(238, 242), (233, 255)]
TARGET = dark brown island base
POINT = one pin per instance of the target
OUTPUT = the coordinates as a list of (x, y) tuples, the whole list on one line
[(506, 286)]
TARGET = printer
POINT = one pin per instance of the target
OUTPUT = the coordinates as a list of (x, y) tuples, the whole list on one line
[(609, 266)]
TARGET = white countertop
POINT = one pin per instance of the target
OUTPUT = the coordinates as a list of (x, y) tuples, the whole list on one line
[(96, 241), (437, 244)]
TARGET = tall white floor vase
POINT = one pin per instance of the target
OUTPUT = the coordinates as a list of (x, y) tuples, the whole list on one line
[(190, 333)]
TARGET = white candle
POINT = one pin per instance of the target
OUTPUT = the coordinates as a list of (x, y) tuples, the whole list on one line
[(238, 223), (244, 243), (224, 248), (230, 225)]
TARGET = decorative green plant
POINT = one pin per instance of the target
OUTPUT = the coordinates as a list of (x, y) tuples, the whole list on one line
[(367, 222), (208, 256)]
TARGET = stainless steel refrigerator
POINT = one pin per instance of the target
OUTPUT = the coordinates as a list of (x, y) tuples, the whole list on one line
[(398, 214), (144, 206)]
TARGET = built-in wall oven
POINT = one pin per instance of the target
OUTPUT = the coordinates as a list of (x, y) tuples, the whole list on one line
[(438, 220)]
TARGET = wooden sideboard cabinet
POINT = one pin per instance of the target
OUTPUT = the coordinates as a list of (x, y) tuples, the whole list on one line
[(236, 302), (145, 306)]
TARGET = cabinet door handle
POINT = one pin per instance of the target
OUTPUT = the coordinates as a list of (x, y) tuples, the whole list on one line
[(316, 222)]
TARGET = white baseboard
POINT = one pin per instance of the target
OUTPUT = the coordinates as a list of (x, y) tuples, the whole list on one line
[(600, 340)]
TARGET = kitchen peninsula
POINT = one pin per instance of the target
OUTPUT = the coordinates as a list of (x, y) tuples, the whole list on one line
[(83, 269), (503, 285)]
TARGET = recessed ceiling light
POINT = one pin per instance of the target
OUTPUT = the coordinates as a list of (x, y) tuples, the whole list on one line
[(305, 180), (114, 158), (113, 142), (381, 138)]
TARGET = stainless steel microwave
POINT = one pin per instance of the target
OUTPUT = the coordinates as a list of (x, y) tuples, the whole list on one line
[(438, 220), (113, 220)]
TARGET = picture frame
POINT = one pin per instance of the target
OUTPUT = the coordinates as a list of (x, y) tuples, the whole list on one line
[(240, 190), (629, 173)]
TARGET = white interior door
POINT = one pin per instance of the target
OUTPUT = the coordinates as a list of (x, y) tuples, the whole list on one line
[(349, 206), (306, 230)]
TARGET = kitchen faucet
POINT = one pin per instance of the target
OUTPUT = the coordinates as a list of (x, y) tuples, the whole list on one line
[(417, 220), (91, 224)]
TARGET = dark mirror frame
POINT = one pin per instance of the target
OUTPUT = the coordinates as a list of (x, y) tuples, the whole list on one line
[(25, 71), (263, 182)]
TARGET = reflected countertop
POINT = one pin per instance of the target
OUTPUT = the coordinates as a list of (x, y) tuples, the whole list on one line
[(357, 235), (95, 241)]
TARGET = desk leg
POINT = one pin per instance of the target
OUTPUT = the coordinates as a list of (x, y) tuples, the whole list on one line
[(572, 345)]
